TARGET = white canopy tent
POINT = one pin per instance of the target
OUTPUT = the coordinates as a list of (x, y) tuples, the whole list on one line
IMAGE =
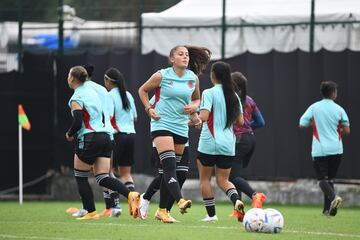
[(162, 31)]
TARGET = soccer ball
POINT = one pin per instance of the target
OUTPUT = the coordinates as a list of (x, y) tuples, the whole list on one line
[(254, 220), (274, 221)]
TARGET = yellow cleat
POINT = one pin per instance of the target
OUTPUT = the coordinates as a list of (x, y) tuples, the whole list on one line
[(90, 216), (184, 205), (162, 215), (134, 203)]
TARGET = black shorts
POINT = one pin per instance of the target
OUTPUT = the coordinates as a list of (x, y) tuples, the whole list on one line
[(92, 146), (183, 165), (177, 138), (123, 154), (221, 161), (326, 167), (244, 149)]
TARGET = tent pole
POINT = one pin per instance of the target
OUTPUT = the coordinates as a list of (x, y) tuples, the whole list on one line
[(223, 29), (20, 45), (140, 9), (60, 27), (312, 25)]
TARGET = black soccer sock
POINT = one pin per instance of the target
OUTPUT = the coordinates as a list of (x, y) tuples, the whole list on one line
[(104, 180), (181, 176), (233, 195), (107, 199), (84, 189), (153, 187), (243, 186), (209, 204), (327, 189), (327, 201), (168, 162), (115, 201), (130, 186)]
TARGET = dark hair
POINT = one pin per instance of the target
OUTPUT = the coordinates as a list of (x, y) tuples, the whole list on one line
[(222, 73), (89, 69), (240, 86), (117, 77), (79, 73), (327, 88), (199, 57)]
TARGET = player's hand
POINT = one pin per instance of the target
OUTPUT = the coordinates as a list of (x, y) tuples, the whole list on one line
[(152, 114), (69, 138), (190, 108), (195, 120)]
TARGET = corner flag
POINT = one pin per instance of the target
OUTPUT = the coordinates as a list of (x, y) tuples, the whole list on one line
[(23, 120)]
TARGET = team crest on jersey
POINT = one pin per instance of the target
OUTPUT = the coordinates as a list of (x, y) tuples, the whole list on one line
[(191, 84), (171, 83)]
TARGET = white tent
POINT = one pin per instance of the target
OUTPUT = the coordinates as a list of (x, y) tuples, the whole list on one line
[(160, 33)]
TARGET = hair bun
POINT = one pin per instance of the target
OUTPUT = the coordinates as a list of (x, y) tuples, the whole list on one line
[(89, 69)]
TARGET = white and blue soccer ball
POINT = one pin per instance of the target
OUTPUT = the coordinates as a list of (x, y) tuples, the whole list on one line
[(274, 221), (254, 220)]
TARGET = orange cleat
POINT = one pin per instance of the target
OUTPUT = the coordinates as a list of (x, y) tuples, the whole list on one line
[(134, 203), (106, 212), (72, 210), (258, 199), (239, 210)]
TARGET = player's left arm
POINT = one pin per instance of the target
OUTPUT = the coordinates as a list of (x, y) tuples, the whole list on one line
[(345, 124)]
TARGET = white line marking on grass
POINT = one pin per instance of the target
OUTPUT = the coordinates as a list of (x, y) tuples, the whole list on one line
[(47, 238), (324, 233), (150, 225)]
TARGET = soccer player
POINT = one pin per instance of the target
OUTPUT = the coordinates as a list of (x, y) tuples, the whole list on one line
[(245, 141), (123, 117), (93, 147), (220, 108), (329, 123), (174, 87), (112, 209)]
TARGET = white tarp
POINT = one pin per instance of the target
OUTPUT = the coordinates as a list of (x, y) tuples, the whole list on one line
[(335, 37)]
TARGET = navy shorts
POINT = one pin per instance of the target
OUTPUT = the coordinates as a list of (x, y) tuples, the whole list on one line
[(326, 167), (93, 146), (177, 138), (221, 161), (123, 154)]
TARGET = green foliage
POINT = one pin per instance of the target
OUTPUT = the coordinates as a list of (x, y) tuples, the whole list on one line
[(48, 220), (102, 10)]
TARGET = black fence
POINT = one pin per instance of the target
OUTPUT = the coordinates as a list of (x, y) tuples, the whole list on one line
[(282, 84)]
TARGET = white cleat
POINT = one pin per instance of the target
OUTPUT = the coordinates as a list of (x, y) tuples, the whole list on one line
[(82, 212), (210, 219), (144, 207), (115, 212)]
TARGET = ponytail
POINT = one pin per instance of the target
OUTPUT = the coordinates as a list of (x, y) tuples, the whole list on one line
[(117, 77), (223, 75), (199, 57)]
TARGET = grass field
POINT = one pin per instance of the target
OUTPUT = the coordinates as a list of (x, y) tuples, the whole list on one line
[(48, 220)]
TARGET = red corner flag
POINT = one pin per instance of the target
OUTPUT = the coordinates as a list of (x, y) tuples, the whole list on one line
[(23, 120)]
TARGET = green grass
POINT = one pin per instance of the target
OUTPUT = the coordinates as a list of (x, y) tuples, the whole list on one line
[(48, 220)]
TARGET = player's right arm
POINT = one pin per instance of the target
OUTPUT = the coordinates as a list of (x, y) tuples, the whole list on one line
[(153, 82)]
